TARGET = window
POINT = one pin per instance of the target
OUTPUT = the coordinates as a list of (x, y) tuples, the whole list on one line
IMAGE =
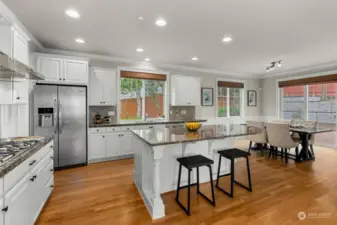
[(315, 102), (293, 106), (229, 99), (141, 99)]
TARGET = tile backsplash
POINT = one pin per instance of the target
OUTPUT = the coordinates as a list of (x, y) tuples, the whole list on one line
[(103, 111), (182, 113)]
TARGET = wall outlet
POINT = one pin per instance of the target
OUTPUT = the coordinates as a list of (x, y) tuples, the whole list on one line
[(111, 113)]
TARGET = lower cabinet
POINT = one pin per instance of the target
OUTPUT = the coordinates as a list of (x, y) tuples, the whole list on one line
[(23, 203), (103, 146)]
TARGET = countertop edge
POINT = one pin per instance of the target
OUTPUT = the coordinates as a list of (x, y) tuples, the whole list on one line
[(144, 123)]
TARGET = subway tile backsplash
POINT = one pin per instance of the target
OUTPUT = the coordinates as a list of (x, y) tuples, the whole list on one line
[(103, 111), (182, 113)]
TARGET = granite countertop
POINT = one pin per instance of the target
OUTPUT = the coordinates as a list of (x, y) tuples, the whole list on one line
[(141, 123), (166, 136), (16, 160)]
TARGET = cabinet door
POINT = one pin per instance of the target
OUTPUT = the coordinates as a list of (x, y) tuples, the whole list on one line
[(20, 92), (181, 91), (125, 143), (75, 71), (194, 90), (2, 213), (97, 146), (95, 88), (18, 201), (109, 83), (113, 145), (51, 68), (20, 48), (5, 92)]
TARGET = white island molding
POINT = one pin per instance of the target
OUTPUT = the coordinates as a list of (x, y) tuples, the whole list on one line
[(156, 152)]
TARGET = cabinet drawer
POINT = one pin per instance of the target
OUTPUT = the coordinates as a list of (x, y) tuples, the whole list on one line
[(112, 129), (97, 130)]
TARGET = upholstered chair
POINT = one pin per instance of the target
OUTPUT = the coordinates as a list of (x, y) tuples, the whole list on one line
[(260, 138)]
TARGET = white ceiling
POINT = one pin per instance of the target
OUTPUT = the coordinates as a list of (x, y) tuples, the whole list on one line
[(302, 33)]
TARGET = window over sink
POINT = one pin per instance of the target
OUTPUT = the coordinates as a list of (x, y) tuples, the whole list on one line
[(229, 99), (142, 96)]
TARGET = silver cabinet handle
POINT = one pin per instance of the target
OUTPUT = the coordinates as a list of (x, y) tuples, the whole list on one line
[(55, 116), (60, 118)]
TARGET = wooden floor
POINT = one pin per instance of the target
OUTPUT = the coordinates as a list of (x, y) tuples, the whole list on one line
[(104, 194)]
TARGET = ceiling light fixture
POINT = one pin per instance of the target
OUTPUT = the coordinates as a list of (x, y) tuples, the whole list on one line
[(141, 18), (161, 23), (72, 13), (273, 65), (140, 50), (80, 40), (195, 58), (147, 59), (227, 39)]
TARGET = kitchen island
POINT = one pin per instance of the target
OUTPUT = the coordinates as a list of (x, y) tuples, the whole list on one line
[(156, 151)]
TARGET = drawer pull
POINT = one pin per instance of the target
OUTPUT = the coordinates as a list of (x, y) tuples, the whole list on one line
[(51, 170), (52, 157), (51, 186), (51, 146), (33, 178), (32, 163), (5, 209), (120, 135), (150, 127)]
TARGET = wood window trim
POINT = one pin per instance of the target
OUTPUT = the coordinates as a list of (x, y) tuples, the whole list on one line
[(309, 80), (141, 75), (229, 84)]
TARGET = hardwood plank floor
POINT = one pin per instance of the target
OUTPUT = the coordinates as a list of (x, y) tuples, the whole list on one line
[(104, 194)]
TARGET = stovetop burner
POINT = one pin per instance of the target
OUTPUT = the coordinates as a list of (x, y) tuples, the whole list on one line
[(10, 148)]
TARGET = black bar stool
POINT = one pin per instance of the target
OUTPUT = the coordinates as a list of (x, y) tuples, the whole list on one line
[(233, 154), (189, 163)]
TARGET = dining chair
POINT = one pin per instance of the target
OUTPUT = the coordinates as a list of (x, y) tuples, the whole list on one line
[(279, 137), (260, 138), (311, 124)]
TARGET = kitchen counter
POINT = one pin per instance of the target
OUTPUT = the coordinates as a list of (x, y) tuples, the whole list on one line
[(141, 123), (166, 136), (20, 157), (155, 158)]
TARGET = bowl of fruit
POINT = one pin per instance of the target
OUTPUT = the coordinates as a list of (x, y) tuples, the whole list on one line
[(192, 126)]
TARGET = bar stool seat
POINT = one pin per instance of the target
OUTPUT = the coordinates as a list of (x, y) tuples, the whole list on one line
[(233, 154), (189, 163)]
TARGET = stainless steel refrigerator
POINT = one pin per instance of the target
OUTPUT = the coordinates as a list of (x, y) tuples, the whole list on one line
[(61, 111)]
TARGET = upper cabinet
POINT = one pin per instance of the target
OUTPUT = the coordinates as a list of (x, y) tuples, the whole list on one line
[(62, 70), (185, 91), (103, 85), (14, 42), (14, 91)]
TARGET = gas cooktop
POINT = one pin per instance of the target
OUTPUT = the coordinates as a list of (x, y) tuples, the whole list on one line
[(11, 148)]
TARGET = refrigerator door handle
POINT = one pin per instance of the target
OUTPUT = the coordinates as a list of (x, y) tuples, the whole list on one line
[(60, 118), (55, 117)]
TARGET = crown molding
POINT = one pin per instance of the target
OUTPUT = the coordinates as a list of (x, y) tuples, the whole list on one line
[(131, 61), (299, 71), (10, 16)]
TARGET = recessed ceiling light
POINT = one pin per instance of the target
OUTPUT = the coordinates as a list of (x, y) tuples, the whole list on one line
[(72, 13), (147, 59), (195, 58), (227, 39), (279, 64), (161, 23), (80, 40), (141, 18), (140, 50)]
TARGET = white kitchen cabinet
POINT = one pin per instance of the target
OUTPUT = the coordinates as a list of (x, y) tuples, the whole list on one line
[(20, 47), (113, 144), (51, 68), (2, 213), (5, 92), (125, 142), (17, 203), (14, 92), (62, 70), (103, 85), (75, 71), (185, 91), (97, 146), (20, 92)]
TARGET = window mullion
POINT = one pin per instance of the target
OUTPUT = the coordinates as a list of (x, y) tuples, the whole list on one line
[(306, 103), (227, 103)]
